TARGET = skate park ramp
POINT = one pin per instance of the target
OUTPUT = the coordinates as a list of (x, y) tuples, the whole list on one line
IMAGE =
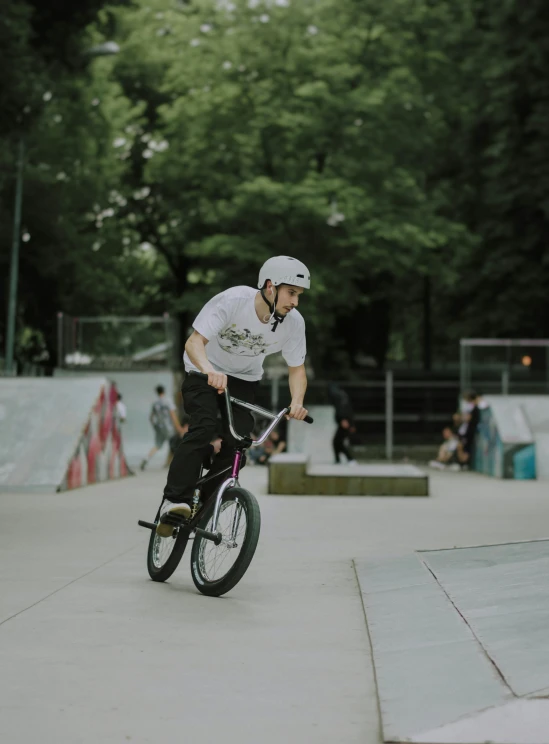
[(137, 389), (536, 409), (315, 440), (138, 394), (513, 437), (57, 434), (466, 630)]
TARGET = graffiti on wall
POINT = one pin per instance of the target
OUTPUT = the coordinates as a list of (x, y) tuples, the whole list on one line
[(99, 455)]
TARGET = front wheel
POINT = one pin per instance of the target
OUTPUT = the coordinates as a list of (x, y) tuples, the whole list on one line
[(216, 569)]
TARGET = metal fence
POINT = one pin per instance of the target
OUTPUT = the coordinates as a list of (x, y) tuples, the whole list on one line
[(392, 412), (515, 362), (116, 342)]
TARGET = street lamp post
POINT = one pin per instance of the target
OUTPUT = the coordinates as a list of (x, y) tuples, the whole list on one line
[(14, 263)]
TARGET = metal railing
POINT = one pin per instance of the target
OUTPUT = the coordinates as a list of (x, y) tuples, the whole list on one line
[(392, 412), (117, 342)]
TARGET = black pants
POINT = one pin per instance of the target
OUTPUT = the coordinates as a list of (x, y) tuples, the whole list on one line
[(468, 442), (338, 443), (202, 403)]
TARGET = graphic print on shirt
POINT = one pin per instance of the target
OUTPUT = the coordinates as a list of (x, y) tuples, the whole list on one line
[(242, 342)]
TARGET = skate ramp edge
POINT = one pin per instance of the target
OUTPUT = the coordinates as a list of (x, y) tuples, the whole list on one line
[(314, 441), (513, 437), (459, 643), (138, 392), (58, 434)]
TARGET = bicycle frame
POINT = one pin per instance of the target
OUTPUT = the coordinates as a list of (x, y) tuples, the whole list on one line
[(232, 480), (239, 451)]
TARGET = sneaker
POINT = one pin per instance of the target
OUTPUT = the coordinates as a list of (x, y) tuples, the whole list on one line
[(455, 467), (183, 511), (352, 462), (438, 465)]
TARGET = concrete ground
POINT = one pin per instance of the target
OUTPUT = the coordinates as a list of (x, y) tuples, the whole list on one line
[(92, 651)]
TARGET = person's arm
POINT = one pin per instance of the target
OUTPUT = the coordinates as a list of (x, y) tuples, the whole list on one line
[(294, 351), (196, 349), (298, 386)]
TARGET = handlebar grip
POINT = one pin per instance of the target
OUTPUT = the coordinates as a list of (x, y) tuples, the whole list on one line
[(307, 419)]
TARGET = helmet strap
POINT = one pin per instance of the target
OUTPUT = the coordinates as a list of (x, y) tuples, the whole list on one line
[(272, 309)]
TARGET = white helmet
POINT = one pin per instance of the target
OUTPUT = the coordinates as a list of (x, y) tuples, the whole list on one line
[(284, 270)]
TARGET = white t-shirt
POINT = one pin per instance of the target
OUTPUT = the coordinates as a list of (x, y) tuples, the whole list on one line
[(238, 341)]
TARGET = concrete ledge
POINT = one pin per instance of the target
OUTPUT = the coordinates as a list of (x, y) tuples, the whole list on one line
[(292, 474), (287, 474)]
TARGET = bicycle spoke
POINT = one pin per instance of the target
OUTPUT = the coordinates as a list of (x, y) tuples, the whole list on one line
[(162, 549), (217, 560)]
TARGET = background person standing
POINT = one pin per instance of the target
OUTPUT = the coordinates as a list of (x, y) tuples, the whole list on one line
[(344, 417), (165, 424)]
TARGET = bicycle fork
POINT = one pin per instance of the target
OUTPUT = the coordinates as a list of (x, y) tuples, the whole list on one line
[(229, 483), (214, 535)]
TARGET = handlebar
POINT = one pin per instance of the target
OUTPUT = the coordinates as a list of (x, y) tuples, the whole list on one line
[(275, 417)]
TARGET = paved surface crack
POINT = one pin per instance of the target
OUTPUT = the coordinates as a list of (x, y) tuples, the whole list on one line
[(73, 581), (477, 639), (372, 657)]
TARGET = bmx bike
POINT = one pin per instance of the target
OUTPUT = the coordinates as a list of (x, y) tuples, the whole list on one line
[(225, 524)]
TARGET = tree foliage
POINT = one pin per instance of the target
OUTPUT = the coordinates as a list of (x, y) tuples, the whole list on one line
[(396, 148)]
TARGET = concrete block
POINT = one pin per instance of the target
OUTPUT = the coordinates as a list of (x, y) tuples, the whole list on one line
[(292, 474)]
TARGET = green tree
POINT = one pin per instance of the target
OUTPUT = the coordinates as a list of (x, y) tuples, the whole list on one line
[(505, 174), (397, 149), (76, 254), (300, 129)]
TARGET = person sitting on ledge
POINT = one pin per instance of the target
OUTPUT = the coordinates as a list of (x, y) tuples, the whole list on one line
[(448, 451)]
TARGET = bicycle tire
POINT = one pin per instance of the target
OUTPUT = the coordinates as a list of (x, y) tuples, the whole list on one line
[(249, 545), (164, 572)]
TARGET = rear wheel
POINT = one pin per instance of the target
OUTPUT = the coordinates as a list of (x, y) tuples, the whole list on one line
[(165, 553), (216, 569)]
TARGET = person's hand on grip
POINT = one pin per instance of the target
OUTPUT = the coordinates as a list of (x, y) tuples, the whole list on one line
[(297, 412), (217, 380)]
